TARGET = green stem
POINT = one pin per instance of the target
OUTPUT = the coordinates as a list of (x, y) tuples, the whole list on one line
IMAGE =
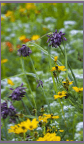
[(22, 62), (42, 89), (65, 60)]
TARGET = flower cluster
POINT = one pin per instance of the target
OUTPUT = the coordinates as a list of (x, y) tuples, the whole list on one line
[(67, 83), (56, 39), (18, 93), (24, 126), (8, 111), (45, 117), (49, 137), (24, 51)]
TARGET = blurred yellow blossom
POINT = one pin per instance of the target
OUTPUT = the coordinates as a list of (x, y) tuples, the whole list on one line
[(23, 37), (30, 6), (9, 81), (78, 89), (55, 58), (35, 37), (9, 13), (4, 61)]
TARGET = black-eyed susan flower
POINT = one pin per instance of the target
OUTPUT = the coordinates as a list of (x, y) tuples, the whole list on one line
[(58, 68), (32, 124), (60, 95), (78, 89)]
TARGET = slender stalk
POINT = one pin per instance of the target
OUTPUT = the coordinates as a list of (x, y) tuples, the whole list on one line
[(42, 89), (65, 60), (22, 62), (27, 110)]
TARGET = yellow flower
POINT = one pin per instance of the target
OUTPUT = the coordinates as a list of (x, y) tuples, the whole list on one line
[(53, 69), (50, 137), (9, 81), (32, 124), (22, 10), (43, 119), (23, 127), (30, 6), (23, 37), (78, 89), (12, 129), (9, 13), (58, 68), (4, 61), (35, 37), (55, 58), (60, 95), (61, 68), (50, 116), (61, 130)]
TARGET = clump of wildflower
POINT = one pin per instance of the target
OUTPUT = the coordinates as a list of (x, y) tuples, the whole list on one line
[(49, 137), (9, 81), (24, 51), (78, 89), (4, 61), (24, 126), (40, 83), (56, 39), (67, 83), (18, 93), (35, 37), (50, 116), (60, 95), (8, 111)]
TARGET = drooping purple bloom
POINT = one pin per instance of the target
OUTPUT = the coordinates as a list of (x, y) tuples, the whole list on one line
[(24, 51), (55, 39), (8, 111), (18, 93), (39, 83)]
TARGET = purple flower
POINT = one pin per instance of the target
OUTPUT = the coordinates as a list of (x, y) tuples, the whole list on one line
[(8, 111), (18, 93), (55, 39), (24, 51), (39, 83)]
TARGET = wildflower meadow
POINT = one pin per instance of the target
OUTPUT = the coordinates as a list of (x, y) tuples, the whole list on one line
[(42, 71)]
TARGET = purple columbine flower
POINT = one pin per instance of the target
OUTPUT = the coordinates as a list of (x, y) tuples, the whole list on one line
[(55, 39), (24, 51), (39, 83), (8, 111), (18, 93)]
